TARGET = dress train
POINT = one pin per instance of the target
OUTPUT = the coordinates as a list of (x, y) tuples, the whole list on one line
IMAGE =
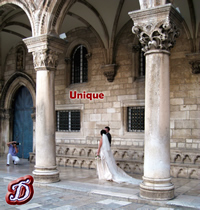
[(107, 168)]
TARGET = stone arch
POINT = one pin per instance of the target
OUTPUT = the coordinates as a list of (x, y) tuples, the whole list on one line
[(58, 13), (25, 7), (76, 42), (17, 80)]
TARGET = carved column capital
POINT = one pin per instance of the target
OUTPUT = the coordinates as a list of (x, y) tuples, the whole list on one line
[(45, 59), (45, 50), (157, 28), (161, 36)]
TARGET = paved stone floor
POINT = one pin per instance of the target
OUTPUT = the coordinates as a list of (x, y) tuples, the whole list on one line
[(80, 189)]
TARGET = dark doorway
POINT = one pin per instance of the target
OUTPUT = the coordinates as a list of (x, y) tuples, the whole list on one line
[(22, 123)]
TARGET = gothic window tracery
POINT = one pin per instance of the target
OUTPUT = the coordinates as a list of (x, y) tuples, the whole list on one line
[(79, 65)]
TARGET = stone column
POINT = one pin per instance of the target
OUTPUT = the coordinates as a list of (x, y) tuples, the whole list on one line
[(157, 30), (45, 50)]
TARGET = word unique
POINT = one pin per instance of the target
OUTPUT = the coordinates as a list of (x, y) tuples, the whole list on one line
[(85, 95), (20, 191)]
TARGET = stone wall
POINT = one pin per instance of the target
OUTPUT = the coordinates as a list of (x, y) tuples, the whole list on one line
[(123, 91), (10, 63), (185, 99)]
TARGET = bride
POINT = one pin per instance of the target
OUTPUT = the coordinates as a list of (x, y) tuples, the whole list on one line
[(107, 168)]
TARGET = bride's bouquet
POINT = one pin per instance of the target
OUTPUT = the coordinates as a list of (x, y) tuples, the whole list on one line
[(97, 157)]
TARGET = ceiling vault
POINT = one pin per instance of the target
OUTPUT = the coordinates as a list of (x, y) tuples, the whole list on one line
[(193, 22), (14, 33), (87, 4)]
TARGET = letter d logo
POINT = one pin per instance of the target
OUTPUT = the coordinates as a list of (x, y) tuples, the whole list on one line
[(20, 191)]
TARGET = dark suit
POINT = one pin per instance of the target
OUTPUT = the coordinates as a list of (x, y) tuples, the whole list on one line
[(109, 138)]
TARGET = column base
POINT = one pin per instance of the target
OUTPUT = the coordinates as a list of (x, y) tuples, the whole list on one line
[(157, 189), (46, 175)]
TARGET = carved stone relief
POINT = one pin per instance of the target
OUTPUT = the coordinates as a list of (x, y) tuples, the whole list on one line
[(20, 59), (109, 71), (45, 58), (195, 67)]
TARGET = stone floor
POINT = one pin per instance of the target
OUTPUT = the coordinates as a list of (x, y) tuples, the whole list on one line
[(80, 189)]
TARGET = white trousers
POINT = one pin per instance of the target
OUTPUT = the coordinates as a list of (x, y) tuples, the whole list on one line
[(15, 158)]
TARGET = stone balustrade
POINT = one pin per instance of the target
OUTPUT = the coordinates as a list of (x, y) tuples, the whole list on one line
[(184, 163)]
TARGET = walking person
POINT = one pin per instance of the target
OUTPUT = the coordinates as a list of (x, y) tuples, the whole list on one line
[(107, 129)]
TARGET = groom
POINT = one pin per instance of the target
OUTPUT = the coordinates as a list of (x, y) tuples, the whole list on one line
[(107, 129)]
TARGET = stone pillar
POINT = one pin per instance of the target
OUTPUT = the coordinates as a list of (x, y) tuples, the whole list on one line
[(156, 29), (45, 50)]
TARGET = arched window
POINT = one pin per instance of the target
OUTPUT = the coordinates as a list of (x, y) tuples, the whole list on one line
[(79, 66), (139, 60)]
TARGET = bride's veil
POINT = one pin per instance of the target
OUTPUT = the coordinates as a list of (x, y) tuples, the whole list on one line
[(118, 174), (106, 144)]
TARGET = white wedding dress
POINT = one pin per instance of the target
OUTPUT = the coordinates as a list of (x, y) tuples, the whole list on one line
[(107, 168)]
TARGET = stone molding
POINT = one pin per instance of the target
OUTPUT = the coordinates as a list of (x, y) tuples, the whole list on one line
[(157, 29), (69, 107), (109, 71), (45, 50), (1, 86)]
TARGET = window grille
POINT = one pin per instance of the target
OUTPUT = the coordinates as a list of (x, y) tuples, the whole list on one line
[(68, 121), (79, 70), (135, 119)]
